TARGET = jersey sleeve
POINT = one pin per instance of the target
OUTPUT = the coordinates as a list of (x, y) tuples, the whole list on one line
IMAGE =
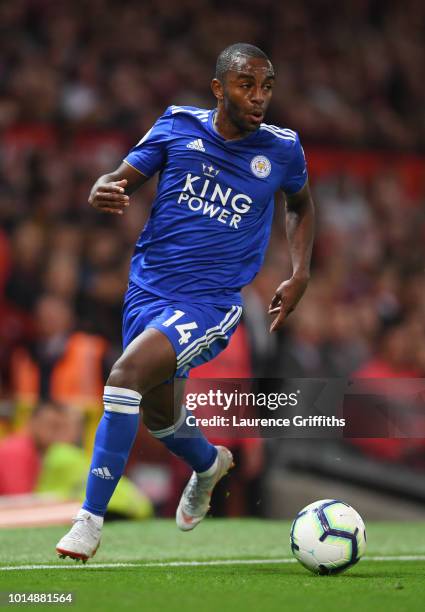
[(296, 171), (150, 153)]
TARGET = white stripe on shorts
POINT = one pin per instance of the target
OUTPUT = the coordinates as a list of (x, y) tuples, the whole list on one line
[(212, 334)]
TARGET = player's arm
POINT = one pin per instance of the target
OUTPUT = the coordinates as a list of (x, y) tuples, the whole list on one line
[(300, 233), (111, 192)]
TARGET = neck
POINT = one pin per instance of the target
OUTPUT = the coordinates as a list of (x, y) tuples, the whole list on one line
[(226, 128)]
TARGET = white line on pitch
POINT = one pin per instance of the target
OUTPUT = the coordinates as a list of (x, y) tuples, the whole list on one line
[(9, 568), (192, 563), (151, 564)]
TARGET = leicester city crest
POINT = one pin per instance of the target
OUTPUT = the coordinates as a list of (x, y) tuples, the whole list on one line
[(261, 166)]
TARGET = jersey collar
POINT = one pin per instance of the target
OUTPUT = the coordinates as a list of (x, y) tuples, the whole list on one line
[(236, 141)]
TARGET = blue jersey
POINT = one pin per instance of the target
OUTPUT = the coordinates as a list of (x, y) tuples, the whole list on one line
[(211, 219)]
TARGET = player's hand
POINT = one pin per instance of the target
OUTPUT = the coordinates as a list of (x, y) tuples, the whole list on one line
[(110, 197), (286, 297)]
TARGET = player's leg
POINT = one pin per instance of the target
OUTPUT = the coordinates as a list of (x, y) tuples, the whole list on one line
[(146, 362), (165, 417), (198, 332)]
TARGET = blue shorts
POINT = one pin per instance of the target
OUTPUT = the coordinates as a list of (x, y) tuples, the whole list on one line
[(198, 332)]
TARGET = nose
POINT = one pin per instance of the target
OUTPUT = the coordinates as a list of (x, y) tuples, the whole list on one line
[(257, 95)]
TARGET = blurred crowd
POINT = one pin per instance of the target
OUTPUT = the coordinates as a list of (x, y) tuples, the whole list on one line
[(80, 82), (349, 72), (364, 311)]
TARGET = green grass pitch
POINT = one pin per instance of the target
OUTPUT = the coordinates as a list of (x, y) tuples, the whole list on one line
[(373, 585)]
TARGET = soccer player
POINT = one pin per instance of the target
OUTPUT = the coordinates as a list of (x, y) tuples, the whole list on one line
[(205, 239)]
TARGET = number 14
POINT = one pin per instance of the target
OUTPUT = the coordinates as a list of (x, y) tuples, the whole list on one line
[(182, 328)]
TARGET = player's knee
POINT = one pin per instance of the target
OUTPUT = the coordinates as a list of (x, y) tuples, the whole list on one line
[(125, 374)]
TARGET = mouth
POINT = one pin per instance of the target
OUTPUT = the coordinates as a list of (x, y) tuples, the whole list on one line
[(255, 117)]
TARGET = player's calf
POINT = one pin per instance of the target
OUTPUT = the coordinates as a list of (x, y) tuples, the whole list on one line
[(187, 442)]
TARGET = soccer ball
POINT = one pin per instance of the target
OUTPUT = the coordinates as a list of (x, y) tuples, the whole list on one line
[(328, 536)]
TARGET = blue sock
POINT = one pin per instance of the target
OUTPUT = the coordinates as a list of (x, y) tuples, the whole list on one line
[(188, 443), (114, 438)]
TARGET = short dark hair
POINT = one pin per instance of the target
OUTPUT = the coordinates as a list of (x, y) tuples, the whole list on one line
[(228, 56)]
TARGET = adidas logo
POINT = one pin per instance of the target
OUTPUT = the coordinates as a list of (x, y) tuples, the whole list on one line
[(102, 472), (196, 145)]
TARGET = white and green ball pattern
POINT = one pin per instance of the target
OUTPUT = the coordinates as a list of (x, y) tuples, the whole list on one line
[(328, 536)]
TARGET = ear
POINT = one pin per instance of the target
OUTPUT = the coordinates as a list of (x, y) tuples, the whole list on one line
[(217, 89)]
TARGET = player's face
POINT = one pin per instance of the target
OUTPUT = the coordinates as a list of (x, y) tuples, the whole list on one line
[(247, 91)]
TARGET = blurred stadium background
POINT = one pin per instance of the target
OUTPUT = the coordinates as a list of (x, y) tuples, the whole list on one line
[(81, 82)]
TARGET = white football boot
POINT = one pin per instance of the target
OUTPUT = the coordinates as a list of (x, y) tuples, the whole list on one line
[(83, 539), (195, 500)]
